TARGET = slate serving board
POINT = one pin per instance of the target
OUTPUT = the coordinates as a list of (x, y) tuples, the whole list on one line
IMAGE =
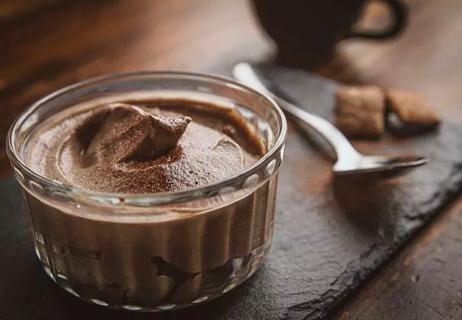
[(330, 234)]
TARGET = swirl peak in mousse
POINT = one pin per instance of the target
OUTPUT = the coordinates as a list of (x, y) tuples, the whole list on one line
[(159, 146)]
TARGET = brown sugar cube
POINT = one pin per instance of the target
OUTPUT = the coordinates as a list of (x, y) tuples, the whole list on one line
[(360, 111), (411, 109)]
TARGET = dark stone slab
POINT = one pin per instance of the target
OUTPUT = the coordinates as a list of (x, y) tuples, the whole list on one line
[(330, 235)]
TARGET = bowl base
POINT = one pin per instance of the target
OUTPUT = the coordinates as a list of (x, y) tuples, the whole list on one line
[(240, 269)]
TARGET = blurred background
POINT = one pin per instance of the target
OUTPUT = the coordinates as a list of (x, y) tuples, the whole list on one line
[(47, 44)]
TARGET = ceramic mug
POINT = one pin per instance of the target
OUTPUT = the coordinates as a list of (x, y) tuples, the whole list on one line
[(306, 31)]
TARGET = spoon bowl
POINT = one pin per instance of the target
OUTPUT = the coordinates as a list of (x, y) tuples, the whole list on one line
[(384, 166)]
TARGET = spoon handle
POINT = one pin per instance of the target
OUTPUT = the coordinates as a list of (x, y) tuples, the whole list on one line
[(344, 150)]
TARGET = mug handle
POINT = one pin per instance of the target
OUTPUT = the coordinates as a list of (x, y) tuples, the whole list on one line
[(398, 11)]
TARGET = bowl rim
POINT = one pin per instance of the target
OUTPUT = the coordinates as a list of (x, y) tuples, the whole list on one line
[(142, 199)]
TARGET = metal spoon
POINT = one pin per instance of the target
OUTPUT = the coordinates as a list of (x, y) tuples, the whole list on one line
[(349, 160)]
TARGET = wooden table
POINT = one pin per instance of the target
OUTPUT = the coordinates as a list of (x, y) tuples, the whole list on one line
[(67, 41)]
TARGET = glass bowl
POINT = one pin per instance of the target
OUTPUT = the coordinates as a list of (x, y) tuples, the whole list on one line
[(157, 251)]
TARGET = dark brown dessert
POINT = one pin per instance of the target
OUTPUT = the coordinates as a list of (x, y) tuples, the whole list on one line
[(159, 256), (134, 149), (360, 111)]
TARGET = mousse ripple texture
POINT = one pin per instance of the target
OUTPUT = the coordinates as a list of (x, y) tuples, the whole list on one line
[(134, 149)]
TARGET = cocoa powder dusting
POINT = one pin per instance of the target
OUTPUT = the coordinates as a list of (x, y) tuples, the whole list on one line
[(132, 149)]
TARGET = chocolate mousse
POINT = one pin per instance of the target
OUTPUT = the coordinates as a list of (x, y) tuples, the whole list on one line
[(128, 148), (151, 257)]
